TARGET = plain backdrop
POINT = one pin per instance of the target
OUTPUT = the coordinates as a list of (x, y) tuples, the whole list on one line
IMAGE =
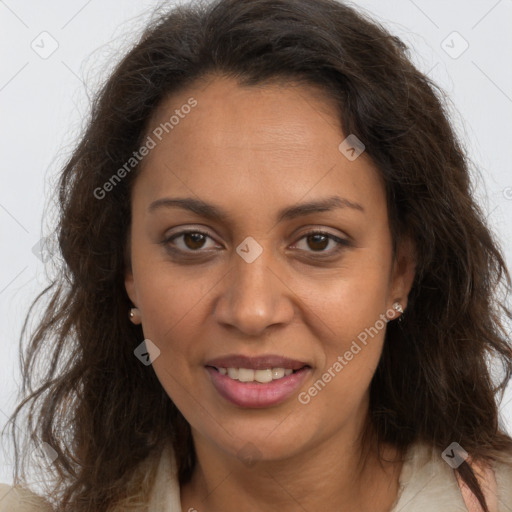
[(54, 54)]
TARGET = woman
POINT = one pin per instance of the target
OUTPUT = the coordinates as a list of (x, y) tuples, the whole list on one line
[(278, 292)]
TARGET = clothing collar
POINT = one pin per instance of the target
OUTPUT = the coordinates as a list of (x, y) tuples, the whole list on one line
[(426, 483)]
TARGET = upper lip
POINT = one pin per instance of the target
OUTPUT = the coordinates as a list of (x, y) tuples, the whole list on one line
[(256, 363)]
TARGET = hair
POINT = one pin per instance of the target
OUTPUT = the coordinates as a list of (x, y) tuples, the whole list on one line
[(104, 413)]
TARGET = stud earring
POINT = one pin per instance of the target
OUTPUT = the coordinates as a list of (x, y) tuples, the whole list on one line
[(398, 307), (135, 316)]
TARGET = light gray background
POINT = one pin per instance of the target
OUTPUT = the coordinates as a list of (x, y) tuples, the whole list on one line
[(44, 99)]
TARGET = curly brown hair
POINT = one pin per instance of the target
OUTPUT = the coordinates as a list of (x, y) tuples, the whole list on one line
[(104, 413)]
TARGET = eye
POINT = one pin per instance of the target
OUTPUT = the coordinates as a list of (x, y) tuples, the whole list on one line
[(192, 240), (318, 241), (195, 241)]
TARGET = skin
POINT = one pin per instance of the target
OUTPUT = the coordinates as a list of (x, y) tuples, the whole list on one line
[(253, 151)]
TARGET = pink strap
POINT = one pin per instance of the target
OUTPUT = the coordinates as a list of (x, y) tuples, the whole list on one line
[(487, 480)]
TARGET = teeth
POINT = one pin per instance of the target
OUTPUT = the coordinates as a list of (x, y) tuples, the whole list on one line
[(249, 375), (278, 373), (245, 375), (263, 376), (233, 373)]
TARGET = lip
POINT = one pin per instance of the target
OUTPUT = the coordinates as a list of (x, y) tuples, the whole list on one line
[(255, 395), (256, 363)]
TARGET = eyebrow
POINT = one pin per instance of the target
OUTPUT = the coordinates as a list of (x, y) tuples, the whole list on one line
[(212, 212)]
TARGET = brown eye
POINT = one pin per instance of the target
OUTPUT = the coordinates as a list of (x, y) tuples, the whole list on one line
[(187, 241), (194, 240), (318, 242)]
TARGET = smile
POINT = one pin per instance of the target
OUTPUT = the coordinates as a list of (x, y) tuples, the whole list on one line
[(250, 375), (241, 387)]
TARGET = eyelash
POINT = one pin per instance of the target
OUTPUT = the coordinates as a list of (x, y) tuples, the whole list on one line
[(341, 243)]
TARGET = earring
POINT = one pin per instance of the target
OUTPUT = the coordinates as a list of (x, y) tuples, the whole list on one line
[(135, 316), (398, 307)]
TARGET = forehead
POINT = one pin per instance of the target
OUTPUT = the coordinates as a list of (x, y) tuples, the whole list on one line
[(253, 140), (253, 115)]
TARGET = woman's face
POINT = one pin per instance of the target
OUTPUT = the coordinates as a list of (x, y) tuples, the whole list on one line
[(253, 288)]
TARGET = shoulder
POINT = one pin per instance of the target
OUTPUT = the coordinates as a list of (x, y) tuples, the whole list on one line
[(20, 499), (495, 479), (503, 474), (428, 483)]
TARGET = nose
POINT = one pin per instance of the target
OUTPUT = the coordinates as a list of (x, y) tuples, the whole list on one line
[(254, 296)]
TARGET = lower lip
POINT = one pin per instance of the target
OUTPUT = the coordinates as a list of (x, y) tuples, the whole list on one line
[(256, 394)]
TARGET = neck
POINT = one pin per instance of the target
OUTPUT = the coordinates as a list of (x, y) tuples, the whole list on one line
[(335, 471)]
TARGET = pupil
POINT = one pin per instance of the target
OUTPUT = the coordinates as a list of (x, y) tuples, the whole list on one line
[(316, 239), (197, 240)]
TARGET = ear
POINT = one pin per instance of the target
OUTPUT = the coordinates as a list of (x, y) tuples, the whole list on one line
[(129, 284), (403, 271)]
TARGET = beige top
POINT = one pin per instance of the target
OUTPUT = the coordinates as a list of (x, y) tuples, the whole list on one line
[(427, 484)]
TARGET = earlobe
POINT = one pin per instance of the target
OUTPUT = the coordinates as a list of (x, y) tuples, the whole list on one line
[(135, 316), (129, 284), (397, 310), (134, 313)]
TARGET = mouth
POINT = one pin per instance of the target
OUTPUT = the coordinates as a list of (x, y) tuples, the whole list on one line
[(263, 376), (257, 382)]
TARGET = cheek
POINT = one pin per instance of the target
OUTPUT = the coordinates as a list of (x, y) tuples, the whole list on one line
[(167, 293), (351, 351), (171, 312), (353, 310), (352, 301)]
